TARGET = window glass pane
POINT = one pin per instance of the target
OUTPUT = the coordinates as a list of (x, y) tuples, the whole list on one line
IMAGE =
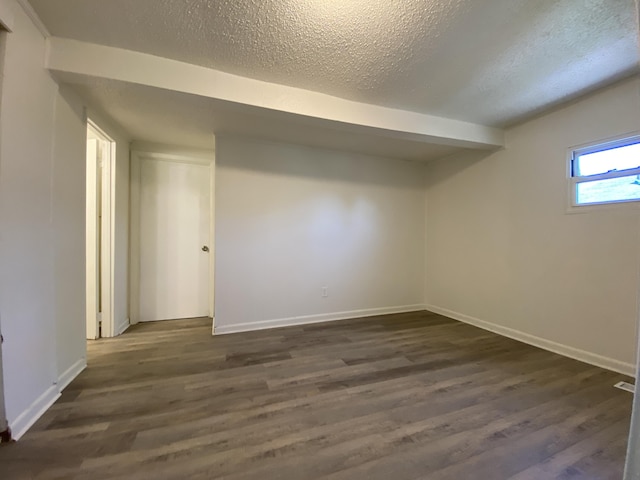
[(609, 190), (620, 158)]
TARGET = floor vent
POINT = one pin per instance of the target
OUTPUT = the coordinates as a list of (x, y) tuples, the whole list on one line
[(626, 386)]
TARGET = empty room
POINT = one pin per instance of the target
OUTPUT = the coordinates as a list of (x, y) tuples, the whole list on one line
[(319, 239)]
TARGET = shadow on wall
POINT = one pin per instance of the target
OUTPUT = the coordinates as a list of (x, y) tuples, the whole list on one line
[(314, 163), (450, 166)]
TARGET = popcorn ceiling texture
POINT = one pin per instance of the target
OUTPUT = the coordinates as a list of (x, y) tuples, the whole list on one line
[(486, 61)]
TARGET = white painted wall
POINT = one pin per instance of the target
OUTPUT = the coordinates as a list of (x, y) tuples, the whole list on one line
[(68, 203), (502, 249), (42, 138), (26, 248), (27, 291), (173, 151), (291, 220), (121, 232), (6, 19)]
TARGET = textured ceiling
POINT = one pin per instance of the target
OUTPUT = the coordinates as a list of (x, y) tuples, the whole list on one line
[(493, 62), (160, 116)]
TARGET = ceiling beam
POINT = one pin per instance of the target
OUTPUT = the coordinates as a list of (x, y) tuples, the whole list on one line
[(81, 58)]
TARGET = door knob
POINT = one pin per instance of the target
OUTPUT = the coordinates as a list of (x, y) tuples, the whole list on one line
[(205, 249)]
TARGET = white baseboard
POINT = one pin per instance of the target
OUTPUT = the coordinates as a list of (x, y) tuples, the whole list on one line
[(27, 418), (307, 319), (120, 329), (559, 348), (72, 372)]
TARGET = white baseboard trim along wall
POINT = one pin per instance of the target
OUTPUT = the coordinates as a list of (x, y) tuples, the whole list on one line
[(122, 327), (307, 319), (27, 418), (72, 372), (565, 350)]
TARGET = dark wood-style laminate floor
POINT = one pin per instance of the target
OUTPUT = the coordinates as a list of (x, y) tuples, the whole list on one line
[(409, 396)]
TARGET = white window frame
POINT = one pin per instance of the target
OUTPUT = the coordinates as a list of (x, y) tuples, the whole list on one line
[(573, 180)]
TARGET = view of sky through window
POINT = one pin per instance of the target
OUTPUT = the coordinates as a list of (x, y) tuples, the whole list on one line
[(620, 158), (608, 163)]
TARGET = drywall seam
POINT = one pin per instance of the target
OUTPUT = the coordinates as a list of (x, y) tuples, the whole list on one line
[(34, 411), (559, 348), (307, 319), (71, 373)]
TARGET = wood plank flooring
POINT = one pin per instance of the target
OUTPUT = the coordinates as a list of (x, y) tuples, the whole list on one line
[(409, 396)]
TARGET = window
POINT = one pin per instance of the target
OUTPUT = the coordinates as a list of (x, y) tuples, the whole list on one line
[(606, 172)]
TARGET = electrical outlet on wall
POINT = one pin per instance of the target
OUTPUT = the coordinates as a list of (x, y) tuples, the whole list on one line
[(325, 292)]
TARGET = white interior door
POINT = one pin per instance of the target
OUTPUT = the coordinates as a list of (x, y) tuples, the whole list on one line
[(174, 240)]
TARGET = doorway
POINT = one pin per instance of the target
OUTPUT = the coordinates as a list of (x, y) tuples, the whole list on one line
[(99, 241), (171, 237)]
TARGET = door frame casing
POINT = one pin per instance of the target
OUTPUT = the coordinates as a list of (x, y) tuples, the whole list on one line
[(91, 275), (6, 26), (107, 239), (137, 156)]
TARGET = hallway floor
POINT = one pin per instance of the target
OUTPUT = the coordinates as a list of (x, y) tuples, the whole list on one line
[(408, 396)]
